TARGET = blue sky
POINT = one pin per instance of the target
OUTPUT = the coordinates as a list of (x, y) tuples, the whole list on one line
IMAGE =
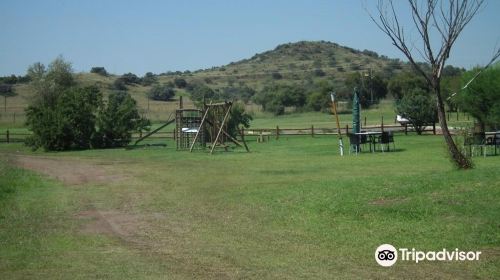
[(158, 36)]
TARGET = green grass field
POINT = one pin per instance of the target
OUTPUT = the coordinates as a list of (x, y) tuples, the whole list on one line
[(290, 209)]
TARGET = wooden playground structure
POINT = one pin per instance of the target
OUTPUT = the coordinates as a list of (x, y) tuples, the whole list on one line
[(202, 128)]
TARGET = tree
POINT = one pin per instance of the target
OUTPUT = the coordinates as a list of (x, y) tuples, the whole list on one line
[(238, 117), (432, 19), (180, 82), (367, 87), (119, 84), (99, 71), (405, 82), (6, 90), (480, 98), (130, 78), (274, 98), (116, 121), (68, 124), (148, 79), (161, 93), (418, 108), (200, 92), (49, 83), (64, 116)]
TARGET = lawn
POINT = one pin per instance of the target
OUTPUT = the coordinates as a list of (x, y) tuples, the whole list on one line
[(290, 209)]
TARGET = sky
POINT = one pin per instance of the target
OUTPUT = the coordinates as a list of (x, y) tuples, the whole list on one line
[(160, 36)]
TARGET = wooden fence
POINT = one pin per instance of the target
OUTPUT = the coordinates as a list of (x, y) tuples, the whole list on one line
[(261, 134)]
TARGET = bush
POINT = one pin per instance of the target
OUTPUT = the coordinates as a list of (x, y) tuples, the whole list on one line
[(238, 118), (117, 120), (480, 98), (161, 93), (180, 83), (277, 76), (6, 90), (119, 84), (319, 73), (199, 92), (65, 117), (130, 79), (148, 79), (99, 71), (418, 107), (68, 124), (275, 98)]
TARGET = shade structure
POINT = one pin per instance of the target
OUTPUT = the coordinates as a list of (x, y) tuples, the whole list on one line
[(356, 124)]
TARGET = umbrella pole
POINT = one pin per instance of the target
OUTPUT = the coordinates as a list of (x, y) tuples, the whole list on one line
[(339, 133)]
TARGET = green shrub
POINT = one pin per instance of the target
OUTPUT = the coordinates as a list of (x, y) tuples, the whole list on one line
[(161, 93), (100, 71), (117, 120), (68, 124)]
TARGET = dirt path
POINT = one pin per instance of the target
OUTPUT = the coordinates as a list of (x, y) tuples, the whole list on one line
[(69, 171), (74, 172)]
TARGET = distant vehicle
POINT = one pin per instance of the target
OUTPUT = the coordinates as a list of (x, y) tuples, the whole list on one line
[(401, 120)]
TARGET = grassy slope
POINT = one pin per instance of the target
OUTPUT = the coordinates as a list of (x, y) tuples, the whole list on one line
[(290, 209), (296, 62)]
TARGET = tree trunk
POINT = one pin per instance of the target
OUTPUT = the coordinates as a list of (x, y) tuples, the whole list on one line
[(458, 158)]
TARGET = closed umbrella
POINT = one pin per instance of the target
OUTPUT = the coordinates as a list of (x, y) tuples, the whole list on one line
[(356, 124)]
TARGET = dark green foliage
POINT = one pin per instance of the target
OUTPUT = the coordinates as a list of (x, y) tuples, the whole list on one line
[(148, 79), (67, 124), (243, 93), (367, 87), (180, 82), (274, 98), (319, 97), (277, 76), (6, 90), (161, 93), (119, 84), (238, 118), (418, 107), (130, 78), (481, 97), (370, 53), (11, 80), (117, 120), (200, 92), (319, 73), (100, 71), (64, 117), (405, 82)]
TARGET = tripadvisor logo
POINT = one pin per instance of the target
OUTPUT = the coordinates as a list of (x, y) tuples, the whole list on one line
[(387, 255)]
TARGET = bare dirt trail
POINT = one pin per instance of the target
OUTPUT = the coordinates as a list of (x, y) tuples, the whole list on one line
[(67, 170), (77, 172)]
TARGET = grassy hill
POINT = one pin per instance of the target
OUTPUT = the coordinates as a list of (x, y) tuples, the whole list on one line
[(291, 63), (295, 63)]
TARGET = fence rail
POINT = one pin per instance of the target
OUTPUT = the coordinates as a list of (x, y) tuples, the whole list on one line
[(260, 133)]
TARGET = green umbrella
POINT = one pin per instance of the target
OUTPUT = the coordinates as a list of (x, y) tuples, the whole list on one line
[(356, 125)]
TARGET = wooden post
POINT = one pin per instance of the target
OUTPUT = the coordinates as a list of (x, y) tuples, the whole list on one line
[(434, 128), (8, 136), (382, 125), (406, 129), (277, 133), (181, 105), (365, 121), (346, 129), (312, 130)]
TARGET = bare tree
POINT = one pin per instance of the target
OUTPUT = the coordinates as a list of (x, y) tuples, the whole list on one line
[(432, 18)]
